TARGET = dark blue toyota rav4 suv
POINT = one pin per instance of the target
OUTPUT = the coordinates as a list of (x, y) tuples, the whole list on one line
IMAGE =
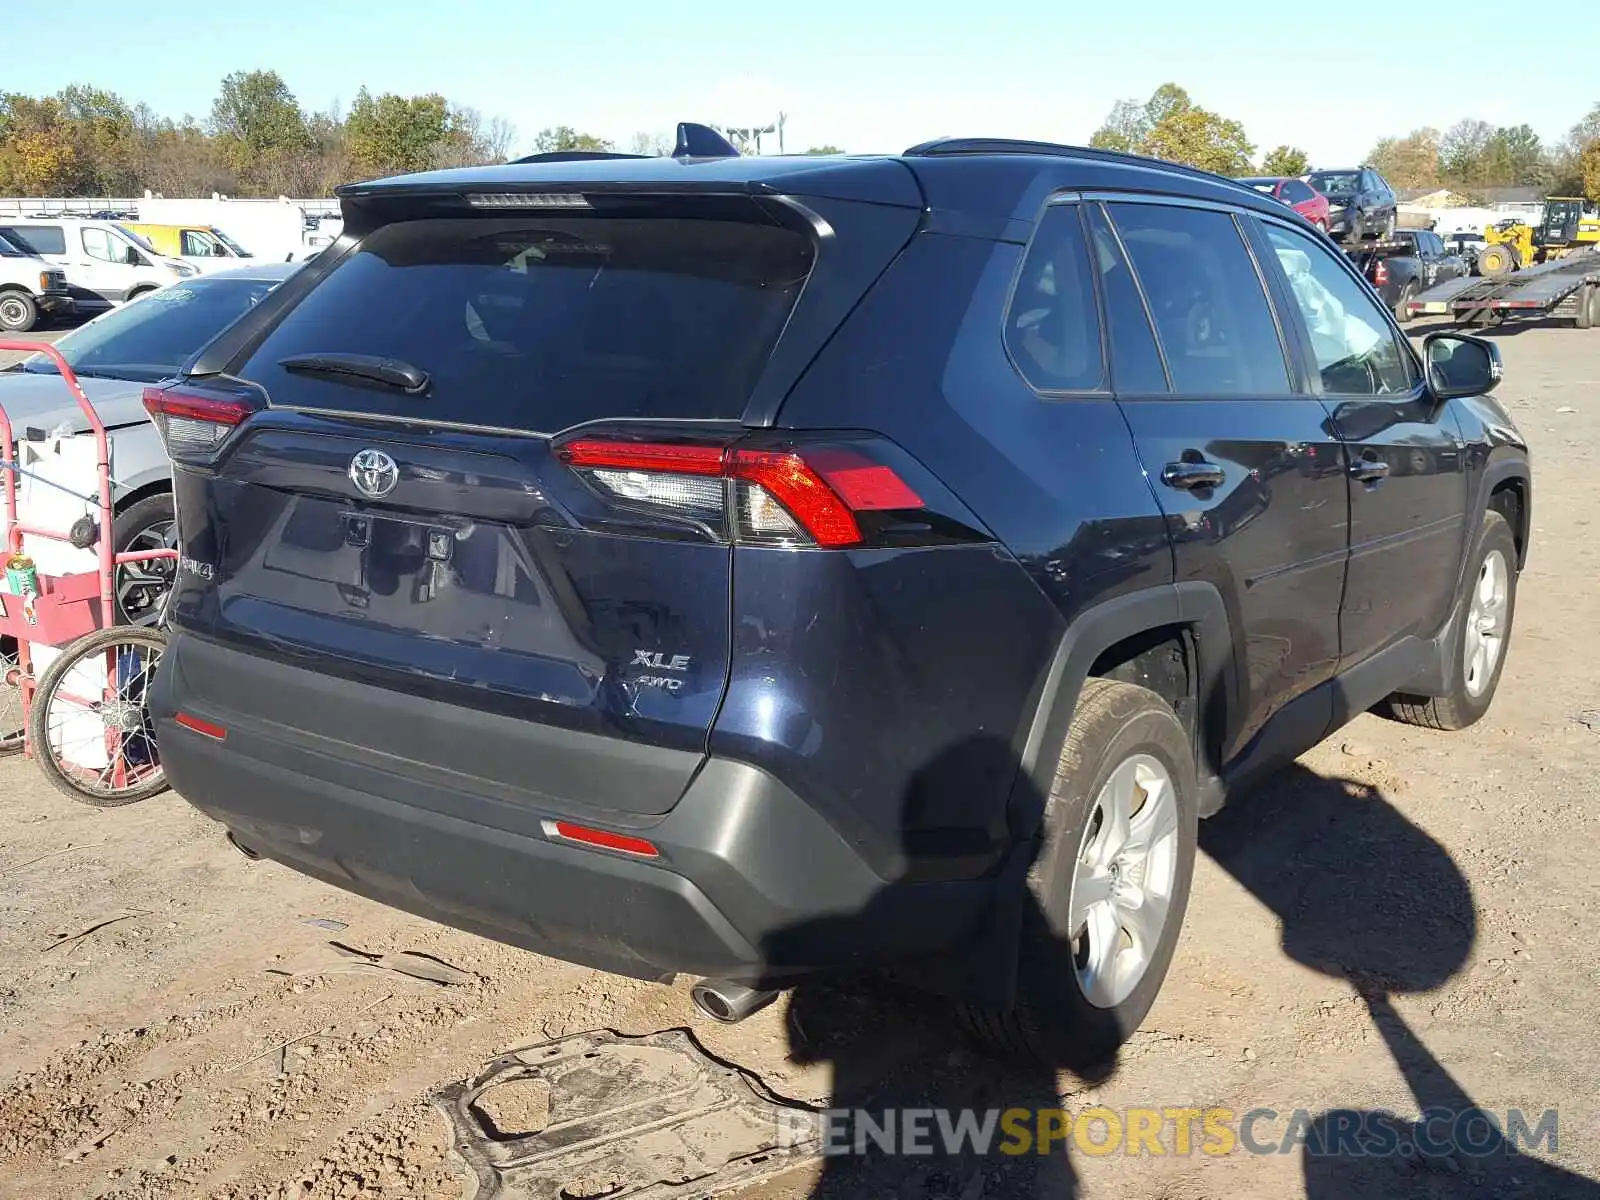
[(757, 567)]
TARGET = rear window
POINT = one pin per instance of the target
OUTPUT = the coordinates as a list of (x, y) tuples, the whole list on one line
[(538, 323), (1336, 183), (151, 339)]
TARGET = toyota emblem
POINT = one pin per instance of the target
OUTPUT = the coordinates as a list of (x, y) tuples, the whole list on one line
[(374, 473)]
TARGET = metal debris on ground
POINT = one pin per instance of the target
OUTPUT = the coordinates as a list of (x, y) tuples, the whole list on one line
[(603, 1114), (327, 923)]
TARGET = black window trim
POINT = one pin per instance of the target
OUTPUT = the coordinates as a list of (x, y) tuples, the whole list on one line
[(1287, 346), (1073, 200), (1307, 353), (1144, 307)]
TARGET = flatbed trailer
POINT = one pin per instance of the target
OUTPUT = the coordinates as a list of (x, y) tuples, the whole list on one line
[(1565, 287)]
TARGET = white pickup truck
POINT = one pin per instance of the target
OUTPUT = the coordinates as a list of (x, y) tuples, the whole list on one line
[(29, 288)]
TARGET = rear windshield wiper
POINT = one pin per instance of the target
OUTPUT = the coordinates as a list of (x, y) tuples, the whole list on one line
[(391, 372)]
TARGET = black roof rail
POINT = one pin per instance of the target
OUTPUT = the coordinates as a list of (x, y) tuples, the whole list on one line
[(572, 156), (953, 146), (701, 141)]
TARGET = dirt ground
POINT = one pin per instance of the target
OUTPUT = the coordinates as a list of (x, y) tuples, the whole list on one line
[(1404, 919)]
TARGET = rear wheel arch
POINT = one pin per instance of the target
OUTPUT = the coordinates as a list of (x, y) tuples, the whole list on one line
[(1175, 640)]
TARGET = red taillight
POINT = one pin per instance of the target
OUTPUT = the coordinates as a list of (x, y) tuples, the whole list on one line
[(603, 838), (812, 494), (1380, 273), (205, 728), (644, 456), (193, 423)]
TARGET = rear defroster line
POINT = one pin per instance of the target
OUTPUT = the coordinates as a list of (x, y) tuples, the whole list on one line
[(603, 1114)]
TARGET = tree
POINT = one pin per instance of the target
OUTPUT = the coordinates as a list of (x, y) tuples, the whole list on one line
[(1125, 128), (1589, 166), (1462, 150), (1515, 157), (1168, 100), (564, 137), (1285, 160), (1585, 133), (99, 125), (652, 145), (392, 135), (257, 110), (37, 155), (1408, 162), (1201, 139), (825, 150)]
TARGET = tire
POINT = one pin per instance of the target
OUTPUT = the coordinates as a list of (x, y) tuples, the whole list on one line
[(1408, 293), (1589, 309), (1495, 261), (1116, 727), (138, 743), (18, 312), (136, 293), (1471, 691), (141, 588)]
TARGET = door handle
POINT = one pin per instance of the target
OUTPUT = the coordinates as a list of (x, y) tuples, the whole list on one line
[(1369, 470), (1189, 476)]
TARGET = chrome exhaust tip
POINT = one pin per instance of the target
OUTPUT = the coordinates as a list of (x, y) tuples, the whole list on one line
[(727, 1002), (241, 847)]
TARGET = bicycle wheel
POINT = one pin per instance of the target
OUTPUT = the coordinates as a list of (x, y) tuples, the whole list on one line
[(90, 723)]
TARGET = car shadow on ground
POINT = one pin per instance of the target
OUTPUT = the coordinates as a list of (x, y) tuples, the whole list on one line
[(1364, 895), (893, 1049)]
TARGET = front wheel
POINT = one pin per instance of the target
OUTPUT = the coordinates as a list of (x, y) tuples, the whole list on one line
[(1108, 892), (90, 721), (18, 312), (1479, 633)]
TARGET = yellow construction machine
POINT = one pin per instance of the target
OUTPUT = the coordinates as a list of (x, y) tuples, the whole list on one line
[(1568, 223)]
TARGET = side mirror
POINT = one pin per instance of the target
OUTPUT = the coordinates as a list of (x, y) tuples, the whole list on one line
[(1459, 365)]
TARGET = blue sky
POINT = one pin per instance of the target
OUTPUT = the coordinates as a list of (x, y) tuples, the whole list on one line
[(868, 77)]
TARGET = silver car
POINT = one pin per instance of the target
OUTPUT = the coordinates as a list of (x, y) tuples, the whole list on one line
[(115, 356)]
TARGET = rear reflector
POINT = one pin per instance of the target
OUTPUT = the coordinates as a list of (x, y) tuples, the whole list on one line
[(191, 423), (205, 728), (603, 838), (787, 495)]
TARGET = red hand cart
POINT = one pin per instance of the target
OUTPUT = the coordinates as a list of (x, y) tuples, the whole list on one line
[(85, 718)]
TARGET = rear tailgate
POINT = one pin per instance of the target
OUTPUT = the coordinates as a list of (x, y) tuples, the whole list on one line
[(432, 544)]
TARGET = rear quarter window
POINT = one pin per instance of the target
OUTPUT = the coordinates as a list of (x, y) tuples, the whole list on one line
[(1052, 324), (537, 323), (38, 239)]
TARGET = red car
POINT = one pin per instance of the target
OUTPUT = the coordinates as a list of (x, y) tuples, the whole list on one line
[(1297, 194)]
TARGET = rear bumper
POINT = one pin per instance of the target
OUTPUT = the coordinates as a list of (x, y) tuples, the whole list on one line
[(751, 883)]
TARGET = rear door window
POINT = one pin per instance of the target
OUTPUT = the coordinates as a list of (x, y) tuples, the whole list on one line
[(1211, 313), (1052, 325), (539, 323)]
